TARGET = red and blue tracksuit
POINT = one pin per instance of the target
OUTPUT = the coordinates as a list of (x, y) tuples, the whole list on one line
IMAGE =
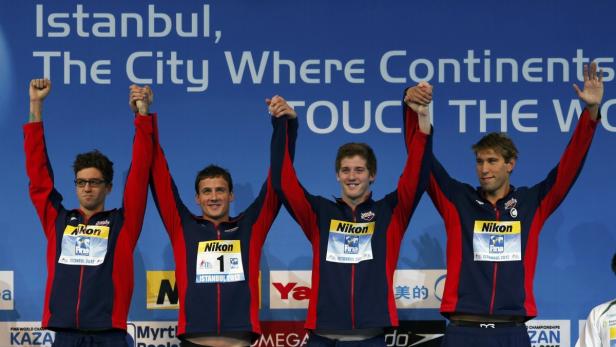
[(88, 291), (214, 303), (478, 281), (357, 294)]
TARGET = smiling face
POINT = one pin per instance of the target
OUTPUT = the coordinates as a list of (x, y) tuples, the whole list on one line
[(493, 173), (91, 195), (355, 179), (214, 197)]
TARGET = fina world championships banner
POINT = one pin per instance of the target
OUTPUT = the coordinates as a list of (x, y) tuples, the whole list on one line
[(494, 65)]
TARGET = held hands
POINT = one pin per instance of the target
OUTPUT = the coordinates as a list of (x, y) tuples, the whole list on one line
[(39, 89), (140, 99), (278, 107), (419, 97), (593, 86)]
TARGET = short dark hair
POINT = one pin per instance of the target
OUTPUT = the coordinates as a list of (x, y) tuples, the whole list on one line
[(499, 142), (212, 171), (614, 263), (97, 160), (352, 149)]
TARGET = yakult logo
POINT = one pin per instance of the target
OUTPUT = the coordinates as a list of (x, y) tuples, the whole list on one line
[(289, 289)]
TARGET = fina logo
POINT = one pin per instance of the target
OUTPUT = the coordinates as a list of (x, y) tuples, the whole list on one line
[(82, 246), (6, 290)]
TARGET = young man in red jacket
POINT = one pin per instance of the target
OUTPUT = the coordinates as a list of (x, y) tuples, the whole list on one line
[(493, 230), (89, 249), (217, 256), (355, 239)]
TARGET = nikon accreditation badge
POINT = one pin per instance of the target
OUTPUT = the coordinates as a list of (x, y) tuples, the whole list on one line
[(84, 245), (219, 261), (349, 242), (497, 241)]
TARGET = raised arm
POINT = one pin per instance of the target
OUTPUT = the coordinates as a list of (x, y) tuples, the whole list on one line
[(440, 182), (414, 178), (277, 108), (593, 90), (553, 189), (284, 178), (164, 190), (39, 89), (46, 200), (266, 206), (416, 106), (136, 187)]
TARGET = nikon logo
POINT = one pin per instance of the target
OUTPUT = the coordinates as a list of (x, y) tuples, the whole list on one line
[(339, 226), (218, 247), (83, 230), (162, 291), (87, 230), (495, 227), (349, 228)]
